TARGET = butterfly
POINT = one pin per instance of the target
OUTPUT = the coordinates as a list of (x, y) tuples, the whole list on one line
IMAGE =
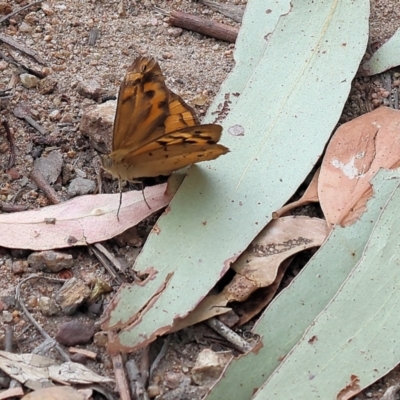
[(155, 131)]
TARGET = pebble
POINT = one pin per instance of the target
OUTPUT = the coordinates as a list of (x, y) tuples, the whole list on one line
[(50, 166), (25, 28), (175, 32), (7, 316), (90, 89), (47, 85), (29, 81), (50, 260), (47, 9), (100, 339), (3, 65), (55, 115), (19, 267), (209, 366), (81, 186), (75, 332), (48, 306)]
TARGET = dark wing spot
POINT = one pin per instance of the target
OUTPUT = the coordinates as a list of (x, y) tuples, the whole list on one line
[(150, 94), (162, 104)]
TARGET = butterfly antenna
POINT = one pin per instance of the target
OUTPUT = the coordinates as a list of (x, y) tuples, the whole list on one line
[(144, 198), (120, 198)]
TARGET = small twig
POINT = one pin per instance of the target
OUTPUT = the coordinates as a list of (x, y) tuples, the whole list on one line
[(19, 10), (93, 36), (387, 83), (22, 112), (10, 138), (30, 53), (136, 381), (119, 373), (160, 355), (231, 11), (144, 365), (46, 336), (97, 249), (45, 187), (239, 343), (203, 26)]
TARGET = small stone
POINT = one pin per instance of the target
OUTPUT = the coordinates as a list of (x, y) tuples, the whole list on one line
[(67, 118), (50, 166), (71, 295), (172, 380), (19, 267), (25, 28), (97, 123), (100, 339), (74, 332), (153, 391), (28, 80), (6, 316), (55, 115), (5, 8), (209, 366), (175, 32), (81, 186), (31, 18), (3, 65), (47, 85), (50, 261), (47, 306), (229, 319), (79, 358), (14, 174), (47, 9), (90, 89)]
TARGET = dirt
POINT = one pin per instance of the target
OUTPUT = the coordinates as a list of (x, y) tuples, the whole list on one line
[(194, 66)]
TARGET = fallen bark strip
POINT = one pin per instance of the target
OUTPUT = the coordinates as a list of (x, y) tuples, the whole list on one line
[(203, 26)]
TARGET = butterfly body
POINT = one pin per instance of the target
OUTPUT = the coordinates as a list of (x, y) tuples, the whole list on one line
[(155, 131)]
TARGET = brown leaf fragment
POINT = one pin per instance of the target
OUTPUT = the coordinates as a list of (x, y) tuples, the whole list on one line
[(350, 389), (355, 153)]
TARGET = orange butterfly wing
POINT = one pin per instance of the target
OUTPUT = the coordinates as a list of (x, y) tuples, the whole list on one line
[(155, 131)]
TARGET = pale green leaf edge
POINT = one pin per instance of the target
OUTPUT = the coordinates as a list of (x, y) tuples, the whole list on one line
[(386, 57)]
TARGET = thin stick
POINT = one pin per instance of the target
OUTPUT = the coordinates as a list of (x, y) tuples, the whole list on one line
[(119, 373), (44, 186), (160, 355), (19, 10), (203, 26), (22, 112), (97, 251), (229, 335), (136, 381), (30, 53), (10, 138), (63, 354)]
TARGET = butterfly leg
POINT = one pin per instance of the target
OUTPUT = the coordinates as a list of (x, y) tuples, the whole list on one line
[(144, 198), (120, 197)]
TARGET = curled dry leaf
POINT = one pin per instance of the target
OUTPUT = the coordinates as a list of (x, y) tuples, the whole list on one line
[(260, 266), (83, 220), (356, 152)]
